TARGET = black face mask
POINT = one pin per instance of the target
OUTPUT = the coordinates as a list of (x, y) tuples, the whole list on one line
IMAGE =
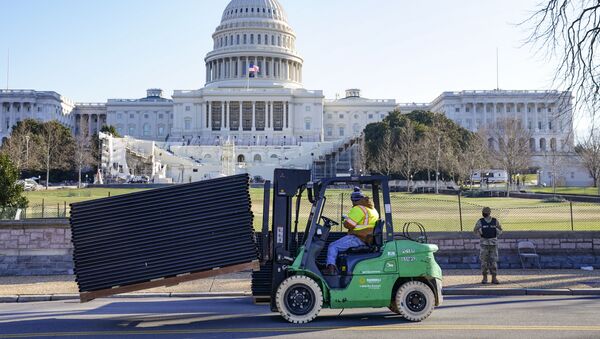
[(485, 215)]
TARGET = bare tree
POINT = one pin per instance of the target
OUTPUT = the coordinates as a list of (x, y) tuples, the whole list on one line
[(54, 143), (385, 161), (82, 154), (473, 158), (437, 142), (568, 30), (408, 150), (589, 151), (555, 162), (20, 147), (511, 150)]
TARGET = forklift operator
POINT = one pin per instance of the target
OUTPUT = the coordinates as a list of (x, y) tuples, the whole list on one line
[(360, 222)]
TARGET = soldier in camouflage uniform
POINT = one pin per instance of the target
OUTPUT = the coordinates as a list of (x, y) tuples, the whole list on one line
[(488, 229)]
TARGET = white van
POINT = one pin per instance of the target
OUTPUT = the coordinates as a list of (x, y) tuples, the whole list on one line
[(493, 176)]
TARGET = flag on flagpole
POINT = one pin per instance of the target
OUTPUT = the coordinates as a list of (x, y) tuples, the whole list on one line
[(254, 68)]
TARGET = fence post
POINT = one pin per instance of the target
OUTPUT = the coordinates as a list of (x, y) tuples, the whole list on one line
[(460, 212), (341, 210), (65, 208), (109, 194), (43, 207), (571, 206), (58, 209)]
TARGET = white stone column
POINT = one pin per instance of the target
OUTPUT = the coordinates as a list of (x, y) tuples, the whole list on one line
[(241, 128), (210, 117), (253, 116), (270, 117), (222, 115), (285, 113), (227, 117), (89, 116)]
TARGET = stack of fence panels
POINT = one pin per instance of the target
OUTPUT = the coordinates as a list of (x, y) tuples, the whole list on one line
[(162, 234)]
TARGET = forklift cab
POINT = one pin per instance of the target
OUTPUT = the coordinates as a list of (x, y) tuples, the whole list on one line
[(286, 246), (319, 226)]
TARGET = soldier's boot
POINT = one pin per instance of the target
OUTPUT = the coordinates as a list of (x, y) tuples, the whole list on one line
[(484, 280), (495, 280)]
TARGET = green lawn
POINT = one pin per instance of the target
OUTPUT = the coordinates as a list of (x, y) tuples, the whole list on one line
[(567, 190), (435, 212)]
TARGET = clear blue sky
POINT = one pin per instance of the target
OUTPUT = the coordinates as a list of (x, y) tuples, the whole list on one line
[(407, 50)]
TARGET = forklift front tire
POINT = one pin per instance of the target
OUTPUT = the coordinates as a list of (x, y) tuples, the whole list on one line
[(299, 299), (415, 300)]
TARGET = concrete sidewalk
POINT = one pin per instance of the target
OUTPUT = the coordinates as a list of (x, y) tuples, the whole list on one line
[(463, 282)]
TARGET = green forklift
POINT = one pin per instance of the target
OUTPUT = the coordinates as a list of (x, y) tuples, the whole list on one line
[(396, 271)]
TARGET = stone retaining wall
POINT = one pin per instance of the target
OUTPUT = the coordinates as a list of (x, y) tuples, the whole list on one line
[(43, 247), (35, 247), (556, 249)]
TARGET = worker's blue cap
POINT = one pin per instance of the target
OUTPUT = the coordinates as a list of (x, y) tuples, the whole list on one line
[(357, 195)]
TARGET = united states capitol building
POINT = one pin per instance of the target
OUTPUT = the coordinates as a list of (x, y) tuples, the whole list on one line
[(254, 114)]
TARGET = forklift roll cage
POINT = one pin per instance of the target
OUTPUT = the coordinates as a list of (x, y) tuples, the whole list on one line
[(290, 183)]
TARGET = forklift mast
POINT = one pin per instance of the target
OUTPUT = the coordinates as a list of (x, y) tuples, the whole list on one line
[(287, 183)]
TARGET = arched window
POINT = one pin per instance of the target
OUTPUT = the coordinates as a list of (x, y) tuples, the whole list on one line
[(207, 156), (241, 158), (266, 39), (553, 144), (245, 38), (491, 143), (274, 156), (532, 144), (273, 40), (257, 158)]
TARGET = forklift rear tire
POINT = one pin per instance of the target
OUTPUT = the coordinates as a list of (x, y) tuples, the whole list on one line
[(415, 301), (299, 299)]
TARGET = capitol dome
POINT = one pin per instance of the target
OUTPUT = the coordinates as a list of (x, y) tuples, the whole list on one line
[(254, 33)]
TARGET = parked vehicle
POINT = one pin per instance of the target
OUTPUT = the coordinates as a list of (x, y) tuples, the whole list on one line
[(493, 176)]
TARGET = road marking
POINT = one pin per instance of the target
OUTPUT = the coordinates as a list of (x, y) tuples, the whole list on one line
[(410, 327)]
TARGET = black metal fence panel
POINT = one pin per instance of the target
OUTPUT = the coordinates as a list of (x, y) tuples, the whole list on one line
[(166, 232)]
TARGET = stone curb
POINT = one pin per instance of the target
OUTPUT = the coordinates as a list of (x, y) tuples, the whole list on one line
[(447, 291)]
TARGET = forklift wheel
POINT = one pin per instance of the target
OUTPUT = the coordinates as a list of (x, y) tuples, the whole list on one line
[(415, 301), (299, 299)]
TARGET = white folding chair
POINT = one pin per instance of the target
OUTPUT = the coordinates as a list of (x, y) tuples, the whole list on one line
[(527, 251)]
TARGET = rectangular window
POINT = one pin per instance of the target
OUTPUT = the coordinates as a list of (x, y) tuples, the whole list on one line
[(161, 116), (370, 116), (307, 125), (329, 131), (188, 124), (456, 110), (119, 116), (341, 131), (187, 108), (161, 131), (539, 125), (130, 116), (550, 125), (467, 109)]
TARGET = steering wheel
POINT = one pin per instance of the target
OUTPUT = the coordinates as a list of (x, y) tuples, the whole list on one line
[(329, 221)]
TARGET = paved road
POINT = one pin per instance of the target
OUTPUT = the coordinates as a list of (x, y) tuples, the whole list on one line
[(459, 317)]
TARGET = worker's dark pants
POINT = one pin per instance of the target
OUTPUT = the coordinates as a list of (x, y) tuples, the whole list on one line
[(489, 259), (340, 245)]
